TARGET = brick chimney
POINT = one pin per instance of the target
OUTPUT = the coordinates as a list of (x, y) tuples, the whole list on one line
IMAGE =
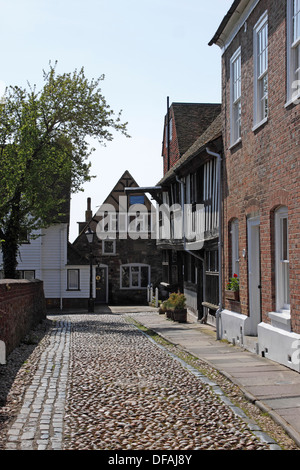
[(88, 212), (88, 216)]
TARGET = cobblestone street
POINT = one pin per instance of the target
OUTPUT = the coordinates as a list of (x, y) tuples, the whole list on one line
[(100, 383)]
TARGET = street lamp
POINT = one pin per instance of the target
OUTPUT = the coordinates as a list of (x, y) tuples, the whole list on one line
[(90, 237)]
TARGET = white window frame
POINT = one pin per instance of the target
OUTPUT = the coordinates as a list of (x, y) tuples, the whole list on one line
[(134, 268), (293, 52), (235, 261), (28, 274), (171, 129), (76, 285), (108, 253), (169, 132), (282, 264), (260, 58), (235, 97)]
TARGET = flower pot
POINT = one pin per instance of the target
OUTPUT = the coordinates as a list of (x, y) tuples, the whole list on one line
[(180, 315), (232, 295)]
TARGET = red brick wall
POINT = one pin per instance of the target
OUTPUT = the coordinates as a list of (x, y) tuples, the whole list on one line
[(174, 154), (22, 306), (262, 172)]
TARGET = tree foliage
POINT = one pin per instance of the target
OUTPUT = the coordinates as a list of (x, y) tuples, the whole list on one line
[(45, 150)]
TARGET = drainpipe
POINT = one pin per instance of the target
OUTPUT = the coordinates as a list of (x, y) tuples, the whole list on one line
[(181, 182), (62, 233), (168, 131), (218, 313)]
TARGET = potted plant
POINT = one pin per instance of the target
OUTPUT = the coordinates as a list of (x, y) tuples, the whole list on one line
[(232, 291), (162, 308), (176, 307), (166, 308)]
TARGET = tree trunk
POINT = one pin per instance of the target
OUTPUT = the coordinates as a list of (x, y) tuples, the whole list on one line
[(10, 245), (10, 252)]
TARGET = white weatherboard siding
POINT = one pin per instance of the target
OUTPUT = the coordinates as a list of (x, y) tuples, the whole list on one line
[(47, 256), (54, 259), (84, 283), (29, 257)]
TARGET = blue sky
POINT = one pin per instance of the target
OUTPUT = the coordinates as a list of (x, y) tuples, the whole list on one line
[(147, 50)]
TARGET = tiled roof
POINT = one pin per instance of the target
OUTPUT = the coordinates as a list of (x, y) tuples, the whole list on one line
[(191, 120), (75, 257), (213, 132)]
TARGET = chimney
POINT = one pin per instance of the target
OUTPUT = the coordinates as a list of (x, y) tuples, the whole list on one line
[(88, 212)]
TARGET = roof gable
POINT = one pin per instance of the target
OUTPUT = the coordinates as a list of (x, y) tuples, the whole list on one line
[(191, 120), (126, 181), (211, 134)]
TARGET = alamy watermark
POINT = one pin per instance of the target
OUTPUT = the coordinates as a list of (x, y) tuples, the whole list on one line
[(296, 92), (295, 357), (162, 222)]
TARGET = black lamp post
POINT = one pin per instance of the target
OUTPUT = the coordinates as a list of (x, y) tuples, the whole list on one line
[(90, 237)]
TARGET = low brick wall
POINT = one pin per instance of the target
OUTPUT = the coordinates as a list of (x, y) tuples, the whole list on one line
[(22, 306)]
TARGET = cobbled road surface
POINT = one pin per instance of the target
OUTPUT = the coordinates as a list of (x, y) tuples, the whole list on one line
[(102, 384)]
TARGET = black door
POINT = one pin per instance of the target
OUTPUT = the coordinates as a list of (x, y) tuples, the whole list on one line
[(101, 285)]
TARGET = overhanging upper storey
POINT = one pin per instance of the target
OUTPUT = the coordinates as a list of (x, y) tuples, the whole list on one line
[(154, 191)]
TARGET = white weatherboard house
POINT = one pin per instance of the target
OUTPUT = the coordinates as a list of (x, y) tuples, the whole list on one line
[(46, 258)]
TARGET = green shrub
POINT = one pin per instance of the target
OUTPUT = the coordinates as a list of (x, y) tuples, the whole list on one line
[(176, 301)]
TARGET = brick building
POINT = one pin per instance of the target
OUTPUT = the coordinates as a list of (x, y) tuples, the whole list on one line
[(124, 256), (183, 125), (260, 43)]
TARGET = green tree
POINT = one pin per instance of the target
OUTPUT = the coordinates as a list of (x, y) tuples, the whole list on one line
[(44, 151)]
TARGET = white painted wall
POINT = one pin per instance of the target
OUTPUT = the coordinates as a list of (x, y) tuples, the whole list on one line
[(84, 291)]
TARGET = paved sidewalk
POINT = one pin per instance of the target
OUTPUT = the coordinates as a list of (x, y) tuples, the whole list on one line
[(272, 387)]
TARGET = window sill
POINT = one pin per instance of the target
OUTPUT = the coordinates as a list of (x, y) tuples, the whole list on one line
[(235, 143), (133, 288), (293, 101), (259, 124), (281, 319)]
